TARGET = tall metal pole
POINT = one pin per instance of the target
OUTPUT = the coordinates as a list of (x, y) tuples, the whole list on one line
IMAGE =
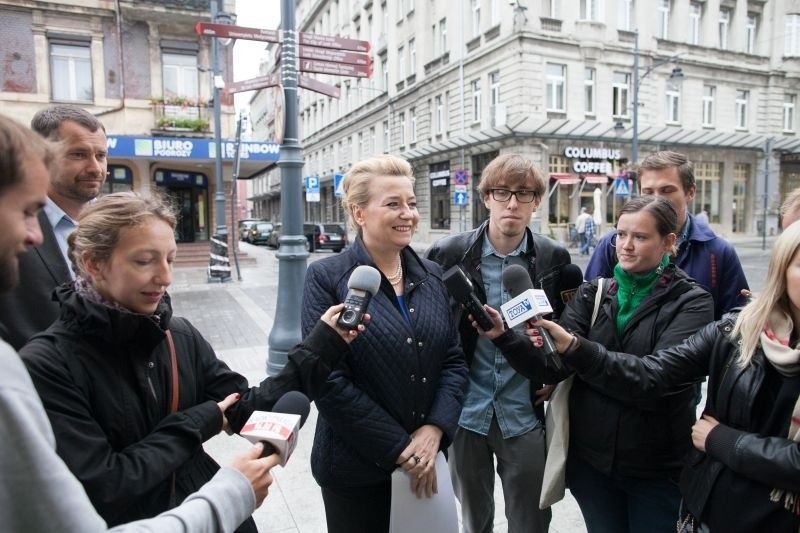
[(635, 141), (234, 185), (219, 264), (767, 155), (292, 252)]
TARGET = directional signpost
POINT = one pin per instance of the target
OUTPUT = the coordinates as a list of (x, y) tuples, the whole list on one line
[(335, 69), (252, 84), (307, 82), (339, 56), (229, 31), (329, 41)]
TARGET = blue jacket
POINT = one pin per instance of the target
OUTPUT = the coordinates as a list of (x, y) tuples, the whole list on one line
[(709, 259), (399, 374)]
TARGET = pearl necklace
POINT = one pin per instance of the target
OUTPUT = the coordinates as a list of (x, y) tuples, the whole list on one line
[(398, 275)]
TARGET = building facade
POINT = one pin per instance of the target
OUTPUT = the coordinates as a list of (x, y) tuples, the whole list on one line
[(143, 70), (455, 84)]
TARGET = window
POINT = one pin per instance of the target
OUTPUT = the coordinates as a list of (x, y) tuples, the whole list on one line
[(180, 75), (439, 174), (402, 129), (695, 16), (724, 26), (741, 109), (788, 112), (792, 39), (385, 74), (556, 82), (751, 33), (624, 14), (439, 110), (555, 8), (620, 88), (588, 90), (708, 105), (120, 178), (708, 179), (476, 18), (494, 88), (71, 72), (476, 100), (494, 12), (386, 137), (592, 10), (663, 18), (673, 104), (412, 115), (443, 35), (401, 63), (359, 152), (412, 57)]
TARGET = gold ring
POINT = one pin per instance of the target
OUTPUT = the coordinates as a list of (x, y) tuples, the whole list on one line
[(416, 459)]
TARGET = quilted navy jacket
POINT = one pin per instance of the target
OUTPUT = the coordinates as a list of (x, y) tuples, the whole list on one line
[(398, 375)]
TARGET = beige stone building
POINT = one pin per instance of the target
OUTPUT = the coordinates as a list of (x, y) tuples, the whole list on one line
[(456, 83), (141, 67)]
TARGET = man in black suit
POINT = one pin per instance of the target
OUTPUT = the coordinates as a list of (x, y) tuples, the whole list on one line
[(81, 169)]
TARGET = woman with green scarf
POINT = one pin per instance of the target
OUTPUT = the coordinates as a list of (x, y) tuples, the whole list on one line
[(625, 455)]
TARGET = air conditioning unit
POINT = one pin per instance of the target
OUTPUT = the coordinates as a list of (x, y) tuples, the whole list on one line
[(498, 115)]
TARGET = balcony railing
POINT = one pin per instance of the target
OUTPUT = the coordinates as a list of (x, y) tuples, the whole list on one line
[(187, 117)]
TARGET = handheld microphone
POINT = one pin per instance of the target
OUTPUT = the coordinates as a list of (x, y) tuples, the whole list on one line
[(364, 283), (460, 288), (526, 304), (571, 279), (277, 430)]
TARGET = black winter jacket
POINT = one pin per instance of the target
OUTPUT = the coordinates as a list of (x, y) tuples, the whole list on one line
[(732, 390), (609, 428), (398, 375), (104, 378), (545, 259)]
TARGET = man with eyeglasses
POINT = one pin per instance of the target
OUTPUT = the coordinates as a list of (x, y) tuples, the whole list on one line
[(500, 417)]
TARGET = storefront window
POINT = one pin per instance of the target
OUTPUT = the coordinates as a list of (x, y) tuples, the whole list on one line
[(479, 211), (559, 198), (741, 175), (708, 177), (120, 179), (439, 174)]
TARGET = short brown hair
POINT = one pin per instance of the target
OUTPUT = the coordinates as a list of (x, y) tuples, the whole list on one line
[(355, 185), (18, 146), (661, 209), (512, 169), (100, 224), (47, 121), (667, 159)]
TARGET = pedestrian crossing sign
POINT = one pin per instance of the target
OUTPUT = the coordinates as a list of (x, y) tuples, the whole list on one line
[(621, 187), (337, 185)]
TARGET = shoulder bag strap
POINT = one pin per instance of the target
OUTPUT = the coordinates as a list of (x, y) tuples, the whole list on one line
[(598, 297), (173, 360)]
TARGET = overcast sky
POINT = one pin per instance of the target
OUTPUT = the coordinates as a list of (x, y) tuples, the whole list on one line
[(247, 55)]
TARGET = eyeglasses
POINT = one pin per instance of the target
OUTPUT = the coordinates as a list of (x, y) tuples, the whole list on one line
[(504, 195)]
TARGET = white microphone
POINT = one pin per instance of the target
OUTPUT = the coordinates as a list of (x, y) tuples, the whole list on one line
[(278, 429)]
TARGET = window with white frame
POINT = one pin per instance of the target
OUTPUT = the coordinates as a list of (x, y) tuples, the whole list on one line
[(435, 41), (589, 90), (385, 74), (412, 115), (556, 76), (664, 7), (724, 27), (751, 33), (71, 72), (401, 63), (742, 98), (371, 141), (476, 101), (788, 112), (620, 88), (792, 35), (443, 35), (359, 151), (494, 88), (439, 110), (709, 92), (673, 104), (476, 18), (695, 17), (592, 10), (624, 14), (409, 6), (402, 120), (385, 136), (180, 75), (412, 57), (494, 12), (554, 8)]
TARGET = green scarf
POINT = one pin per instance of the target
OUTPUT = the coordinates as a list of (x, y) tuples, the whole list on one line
[(632, 290)]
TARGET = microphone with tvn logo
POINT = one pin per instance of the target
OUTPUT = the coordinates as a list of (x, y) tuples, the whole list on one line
[(528, 303)]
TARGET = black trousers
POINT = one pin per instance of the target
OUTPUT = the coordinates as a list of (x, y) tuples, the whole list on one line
[(358, 509)]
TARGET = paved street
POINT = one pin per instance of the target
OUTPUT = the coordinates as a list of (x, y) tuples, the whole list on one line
[(236, 318)]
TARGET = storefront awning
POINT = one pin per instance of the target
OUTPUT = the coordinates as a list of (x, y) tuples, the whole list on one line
[(565, 179), (596, 179)]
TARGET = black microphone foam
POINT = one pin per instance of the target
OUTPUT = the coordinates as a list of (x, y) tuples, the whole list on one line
[(292, 403), (571, 279), (516, 280), (460, 288)]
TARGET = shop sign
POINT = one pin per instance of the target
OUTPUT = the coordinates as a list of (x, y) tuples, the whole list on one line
[(591, 160)]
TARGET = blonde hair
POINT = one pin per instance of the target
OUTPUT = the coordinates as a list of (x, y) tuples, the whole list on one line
[(101, 222), (753, 318), (355, 185), (512, 170), (791, 203)]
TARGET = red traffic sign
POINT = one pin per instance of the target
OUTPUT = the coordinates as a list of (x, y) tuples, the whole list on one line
[(253, 83), (335, 69), (211, 29), (329, 41), (337, 56), (461, 177), (307, 82)]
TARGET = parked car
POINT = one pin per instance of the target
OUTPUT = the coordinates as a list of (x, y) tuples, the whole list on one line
[(259, 232), (325, 236), (245, 225), (274, 235)]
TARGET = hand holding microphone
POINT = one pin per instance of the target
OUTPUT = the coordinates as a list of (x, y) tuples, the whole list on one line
[(364, 283)]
